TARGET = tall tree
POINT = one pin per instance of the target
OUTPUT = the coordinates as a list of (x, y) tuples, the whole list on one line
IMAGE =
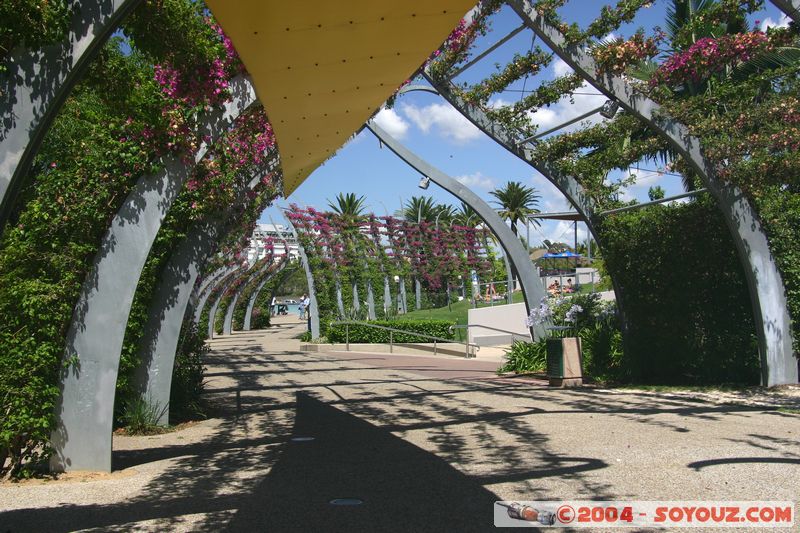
[(424, 208), (348, 206), (516, 202), (466, 216)]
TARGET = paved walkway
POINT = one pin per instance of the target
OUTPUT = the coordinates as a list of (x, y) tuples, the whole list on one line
[(429, 444)]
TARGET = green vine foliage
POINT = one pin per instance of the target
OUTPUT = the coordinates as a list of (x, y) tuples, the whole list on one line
[(86, 165), (684, 294), (337, 333), (32, 24)]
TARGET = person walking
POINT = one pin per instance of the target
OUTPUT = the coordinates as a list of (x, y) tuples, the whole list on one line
[(307, 308), (302, 308)]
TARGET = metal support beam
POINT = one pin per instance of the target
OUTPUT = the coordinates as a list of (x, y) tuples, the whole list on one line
[(654, 202), (36, 84), (486, 52), (790, 7), (84, 411), (532, 288), (764, 280), (560, 126)]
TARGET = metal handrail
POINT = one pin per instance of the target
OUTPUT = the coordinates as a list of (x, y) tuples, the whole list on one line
[(467, 326), (348, 323)]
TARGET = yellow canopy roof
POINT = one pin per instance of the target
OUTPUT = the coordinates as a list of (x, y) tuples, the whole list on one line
[(321, 68)]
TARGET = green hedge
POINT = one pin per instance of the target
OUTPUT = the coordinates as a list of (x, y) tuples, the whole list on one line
[(365, 334), (688, 312)]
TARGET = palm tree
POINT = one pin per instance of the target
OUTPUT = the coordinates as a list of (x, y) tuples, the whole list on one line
[(423, 208), (466, 216), (348, 206), (516, 202)]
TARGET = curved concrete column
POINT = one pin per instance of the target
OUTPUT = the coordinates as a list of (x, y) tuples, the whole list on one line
[(764, 280), (196, 309), (339, 299), (36, 84), (312, 291), (251, 302), (227, 325), (790, 7), (532, 288), (162, 330), (84, 411), (387, 296), (370, 301), (568, 185), (212, 313), (169, 307)]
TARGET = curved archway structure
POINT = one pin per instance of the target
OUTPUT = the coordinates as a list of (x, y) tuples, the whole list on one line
[(36, 84), (532, 288), (82, 438), (767, 294), (251, 301)]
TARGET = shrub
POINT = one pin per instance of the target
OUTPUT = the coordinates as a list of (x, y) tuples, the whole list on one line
[(140, 416), (525, 357), (689, 317), (188, 376), (364, 334)]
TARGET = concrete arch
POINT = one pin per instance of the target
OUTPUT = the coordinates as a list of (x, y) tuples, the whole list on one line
[(764, 280), (568, 185), (201, 295), (84, 411), (166, 313), (227, 325), (532, 288), (251, 302), (38, 82), (212, 313), (313, 310)]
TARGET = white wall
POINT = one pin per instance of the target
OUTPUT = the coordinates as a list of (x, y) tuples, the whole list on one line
[(505, 317)]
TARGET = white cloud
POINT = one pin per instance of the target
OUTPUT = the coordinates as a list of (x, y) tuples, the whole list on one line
[(564, 110), (393, 123), (768, 22), (560, 68), (444, 120), (645, 178), (476, 179), (562, 231)]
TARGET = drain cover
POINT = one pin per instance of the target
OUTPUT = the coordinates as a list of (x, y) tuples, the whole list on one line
[(346, 501), (302, 439)]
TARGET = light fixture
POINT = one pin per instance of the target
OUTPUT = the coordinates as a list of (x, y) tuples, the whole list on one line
[(609, 109), (424, 182)]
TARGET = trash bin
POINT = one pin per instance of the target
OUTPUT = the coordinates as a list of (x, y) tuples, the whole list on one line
[(564, 361)]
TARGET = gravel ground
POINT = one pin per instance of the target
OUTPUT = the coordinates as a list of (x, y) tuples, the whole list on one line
[(428, 445)]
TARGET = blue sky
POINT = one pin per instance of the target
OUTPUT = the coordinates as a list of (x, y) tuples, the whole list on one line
[(429, 126)]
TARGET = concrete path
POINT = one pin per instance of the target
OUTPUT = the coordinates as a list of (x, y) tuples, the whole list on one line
[(428, 444)]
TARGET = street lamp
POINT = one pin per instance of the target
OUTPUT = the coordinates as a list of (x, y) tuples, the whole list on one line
[(424, 182)]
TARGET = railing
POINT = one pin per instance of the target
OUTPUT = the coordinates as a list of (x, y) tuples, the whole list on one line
[(348, 323), (512, 333)]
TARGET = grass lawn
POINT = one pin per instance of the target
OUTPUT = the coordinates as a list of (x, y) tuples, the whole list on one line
[(457, 312)]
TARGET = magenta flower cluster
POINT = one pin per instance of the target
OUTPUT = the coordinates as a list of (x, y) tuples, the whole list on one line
[(708, 56)]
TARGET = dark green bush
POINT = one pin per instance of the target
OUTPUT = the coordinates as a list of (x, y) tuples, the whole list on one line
[(689, 316), (365, 334), (525, 357), (188, 376)]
